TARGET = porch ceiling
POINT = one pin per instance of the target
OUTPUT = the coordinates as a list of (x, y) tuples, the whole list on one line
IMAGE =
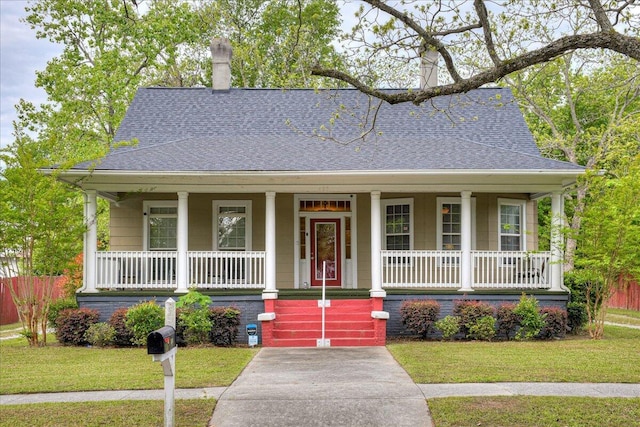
[(521, 181)]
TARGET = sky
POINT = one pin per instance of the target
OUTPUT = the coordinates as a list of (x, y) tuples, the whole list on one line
[(21, 54)]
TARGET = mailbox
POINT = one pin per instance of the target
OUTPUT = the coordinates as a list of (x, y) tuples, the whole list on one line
[(161, 340)]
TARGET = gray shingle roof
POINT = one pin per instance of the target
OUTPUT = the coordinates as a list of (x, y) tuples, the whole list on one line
[(195, 129)]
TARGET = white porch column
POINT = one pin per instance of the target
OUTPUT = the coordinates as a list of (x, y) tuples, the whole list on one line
[(557, 256), (465, 242), (182, 270), (90, 241), (270, 291), (376, 247)]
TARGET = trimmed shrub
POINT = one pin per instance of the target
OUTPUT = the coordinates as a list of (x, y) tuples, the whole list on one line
[(531, 320), (73, 323), (577, 317), (57, 306), (555, 323), (193, 318), (100, 334), (224, 329), (195, 325), (469, 312), (142, 319), (419, 316), (449, 326), (483, 329), (507, 322), (123, 336)]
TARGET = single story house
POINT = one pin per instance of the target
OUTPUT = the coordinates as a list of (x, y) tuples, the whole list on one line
[(259, 197)]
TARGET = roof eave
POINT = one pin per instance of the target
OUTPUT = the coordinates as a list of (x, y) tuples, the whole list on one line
[(446, 180)]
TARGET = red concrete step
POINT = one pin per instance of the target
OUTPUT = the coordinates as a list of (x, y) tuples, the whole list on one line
[(351, 303), (337, 342), (347, 323), (296, 317), (317, 333), (329, 324), (332, 305), (296, 303)]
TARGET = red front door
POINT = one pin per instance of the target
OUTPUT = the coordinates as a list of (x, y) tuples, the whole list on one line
[(325, 246)]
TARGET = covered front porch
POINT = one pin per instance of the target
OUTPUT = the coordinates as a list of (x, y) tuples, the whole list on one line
[(458, 265)]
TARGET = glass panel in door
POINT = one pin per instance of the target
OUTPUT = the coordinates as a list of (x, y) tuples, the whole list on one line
[(325, 246)]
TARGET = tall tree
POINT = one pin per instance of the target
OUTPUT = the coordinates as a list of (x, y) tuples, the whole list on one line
[(275, 43), (609, 238), (583, 109), (109, 48), (40, 225), (406, 31)]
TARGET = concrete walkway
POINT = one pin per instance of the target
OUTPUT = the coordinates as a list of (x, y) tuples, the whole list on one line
[(355, 386), (340, 386)]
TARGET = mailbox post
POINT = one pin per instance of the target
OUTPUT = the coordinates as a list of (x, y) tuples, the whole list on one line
[(161, 344)]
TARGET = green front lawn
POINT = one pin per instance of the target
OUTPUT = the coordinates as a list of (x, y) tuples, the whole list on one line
[(140, 413), (521, 411), (575, 359), (56, 368)]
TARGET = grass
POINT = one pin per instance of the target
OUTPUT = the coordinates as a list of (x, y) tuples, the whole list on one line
[(626, 317), (56, 368), (613, 359), (532, 411), (141, 413)]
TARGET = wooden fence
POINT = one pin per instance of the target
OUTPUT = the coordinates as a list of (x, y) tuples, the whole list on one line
[(627, 297), (8, 312)]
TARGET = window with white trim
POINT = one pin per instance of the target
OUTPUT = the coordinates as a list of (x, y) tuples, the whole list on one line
[(398, 224), (449, 223), (511, 231), (161, 225), (232, 225)]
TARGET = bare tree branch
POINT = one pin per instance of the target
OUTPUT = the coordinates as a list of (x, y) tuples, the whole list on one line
[(504, 42), (626, 45), (426, 36), (481, 10)]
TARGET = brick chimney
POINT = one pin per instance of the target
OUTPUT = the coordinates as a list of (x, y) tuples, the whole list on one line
[(429, 69), (221, 56)]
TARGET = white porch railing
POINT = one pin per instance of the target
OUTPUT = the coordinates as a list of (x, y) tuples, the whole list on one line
[(501, 270), (134, 270), (441, 269), (420, 269), (226, 269), (246, 270), (157, 270)]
